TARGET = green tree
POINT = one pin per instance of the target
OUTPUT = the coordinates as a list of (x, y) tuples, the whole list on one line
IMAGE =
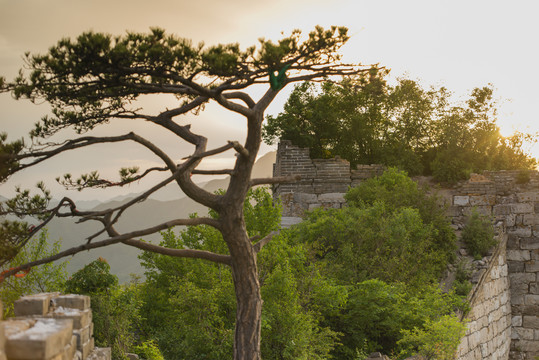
[(98, 78), (197, 299), (48, 278), (366, 121), (115, 308), (387, 251)]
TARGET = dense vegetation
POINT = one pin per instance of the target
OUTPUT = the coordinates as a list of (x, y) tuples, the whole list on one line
[(339, 285), (367, 121)]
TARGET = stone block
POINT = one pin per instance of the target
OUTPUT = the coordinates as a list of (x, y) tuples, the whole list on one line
[(100, 354), (71, 348), (483, 210), (522, 231), (480, 200), (529, 243), (461, 200), (528, 197), (33, 305), (501, 210), (81, 318), (46, 339), (528, 346), (71, 301), (14, 326), (86, 349), (530, 219), (522, 278), (522, 208), (82, 336), (532, 266), (518, 255), (530, 321), (331, 197)]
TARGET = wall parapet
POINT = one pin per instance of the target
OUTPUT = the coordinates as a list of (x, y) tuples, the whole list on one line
[(50, 326)]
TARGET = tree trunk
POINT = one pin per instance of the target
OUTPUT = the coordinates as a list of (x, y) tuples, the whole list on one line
[(248, 298)]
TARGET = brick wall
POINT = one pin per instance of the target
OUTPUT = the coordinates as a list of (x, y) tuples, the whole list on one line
[(50, 326)]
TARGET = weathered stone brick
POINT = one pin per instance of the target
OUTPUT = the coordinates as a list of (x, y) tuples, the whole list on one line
[(528, 196), (82, 336), (33, 305), (529, 243), (461, 200), (46, 339), (100, 354), (522, 231), (532, 266), (501, 210), (530, 322), (81, 318), (518, 255), (71, 301), (522, 208), (481, 200)]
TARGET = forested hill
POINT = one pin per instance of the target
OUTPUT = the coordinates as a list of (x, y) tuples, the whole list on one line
[(123, 259)]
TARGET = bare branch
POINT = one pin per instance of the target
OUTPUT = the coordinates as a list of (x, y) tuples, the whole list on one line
[(261, 243), (239, 148), (187, 253), (137, 243), (242, 96), (213, 172)]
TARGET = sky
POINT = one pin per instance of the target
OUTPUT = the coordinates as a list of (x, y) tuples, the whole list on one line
[(456, 44)]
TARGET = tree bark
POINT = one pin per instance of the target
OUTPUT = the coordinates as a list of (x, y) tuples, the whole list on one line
[(248, 298)]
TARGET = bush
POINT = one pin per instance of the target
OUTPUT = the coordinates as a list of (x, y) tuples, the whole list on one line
[(462, 285), (478, 234), (437, 339)]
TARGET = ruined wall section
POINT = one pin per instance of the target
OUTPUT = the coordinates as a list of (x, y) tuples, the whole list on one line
[(513, 202), (50, 326), (488, 334), (323, 181), (511, 198)]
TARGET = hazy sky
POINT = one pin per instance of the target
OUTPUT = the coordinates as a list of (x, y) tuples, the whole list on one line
[(458, 44)]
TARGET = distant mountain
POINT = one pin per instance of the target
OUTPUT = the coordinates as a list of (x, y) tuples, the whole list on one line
[(122, 258)]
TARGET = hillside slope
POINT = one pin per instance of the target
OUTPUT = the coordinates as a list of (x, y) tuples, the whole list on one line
[(123, 259)]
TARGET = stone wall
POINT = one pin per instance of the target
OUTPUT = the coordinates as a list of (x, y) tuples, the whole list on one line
[(323, 181), (515, 204), (488, 334), (50, 326), (511, 198)]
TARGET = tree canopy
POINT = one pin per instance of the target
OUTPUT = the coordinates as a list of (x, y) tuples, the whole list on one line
[(367, 121), (98, 78)]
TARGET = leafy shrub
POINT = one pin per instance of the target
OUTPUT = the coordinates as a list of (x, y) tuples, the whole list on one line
[(148, 350), (462, 285), (478, 234), (438, 339), (397, 191), (376, 313)]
